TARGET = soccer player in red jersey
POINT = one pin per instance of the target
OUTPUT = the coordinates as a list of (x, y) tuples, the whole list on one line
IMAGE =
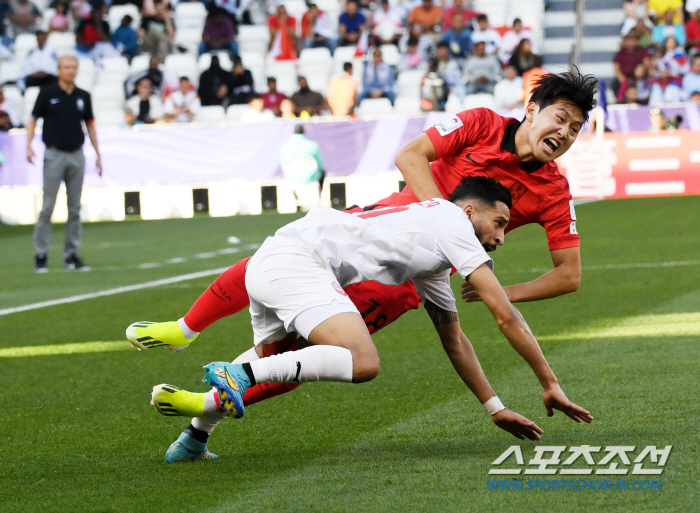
[(520, 155)]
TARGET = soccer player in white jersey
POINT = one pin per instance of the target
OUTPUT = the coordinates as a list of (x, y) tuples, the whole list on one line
[(295, 283)]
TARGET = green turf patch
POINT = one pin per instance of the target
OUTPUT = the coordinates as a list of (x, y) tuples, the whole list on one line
[(80, 435)]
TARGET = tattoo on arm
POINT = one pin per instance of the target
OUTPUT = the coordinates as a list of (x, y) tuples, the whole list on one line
[(439, 315)]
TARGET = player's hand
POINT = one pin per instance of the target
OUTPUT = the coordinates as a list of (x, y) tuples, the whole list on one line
[(98, 165), (469, 293), (555, 399), (517, 425), (30, 155)]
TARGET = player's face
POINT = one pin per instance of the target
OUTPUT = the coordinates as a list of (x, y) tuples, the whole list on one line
[(490, 224), (553, 129)]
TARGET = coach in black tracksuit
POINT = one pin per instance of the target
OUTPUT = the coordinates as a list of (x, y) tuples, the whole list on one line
[(64, 108)]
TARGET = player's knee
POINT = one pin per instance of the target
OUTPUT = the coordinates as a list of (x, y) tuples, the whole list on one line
[(365, 366)]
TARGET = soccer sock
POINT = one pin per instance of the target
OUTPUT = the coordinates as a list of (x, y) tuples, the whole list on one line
[(315, 363), (189, 334), (197, 434), (226, 296)]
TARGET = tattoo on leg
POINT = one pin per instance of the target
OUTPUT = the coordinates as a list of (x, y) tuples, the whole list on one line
[(439, 315)]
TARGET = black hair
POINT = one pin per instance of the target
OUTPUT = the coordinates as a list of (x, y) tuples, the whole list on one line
[(442, 44), (347, 66), (570, 86), (484, 189), (299, 129), (482, 17), (272, 79)]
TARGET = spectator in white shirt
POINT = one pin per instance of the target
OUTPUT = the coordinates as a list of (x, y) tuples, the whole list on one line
[(511, 39), (183, 104), (481, 71), (257, 113), (490, 37), (145, 107), (509, 90), (387, 23), (40, 66), (11, 108)]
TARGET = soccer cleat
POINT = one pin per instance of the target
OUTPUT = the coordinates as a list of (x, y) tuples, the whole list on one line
[(75, 263), (41, 262), (173, 401), (231, 381), (186, 448), (146, 335)]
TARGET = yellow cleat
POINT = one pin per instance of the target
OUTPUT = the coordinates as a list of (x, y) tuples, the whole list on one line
[(147, 335), (173, 401)]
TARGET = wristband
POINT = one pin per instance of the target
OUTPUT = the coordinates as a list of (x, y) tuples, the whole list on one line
[(494, 405)]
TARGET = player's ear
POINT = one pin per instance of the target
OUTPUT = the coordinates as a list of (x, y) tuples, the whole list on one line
[(469, 210), (530, 111)]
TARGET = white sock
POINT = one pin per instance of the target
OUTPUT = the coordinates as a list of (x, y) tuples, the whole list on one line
[(315, 363), (189, 333), (212, 414)]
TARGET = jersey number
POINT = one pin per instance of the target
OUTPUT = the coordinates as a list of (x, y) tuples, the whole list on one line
[(379, 321)]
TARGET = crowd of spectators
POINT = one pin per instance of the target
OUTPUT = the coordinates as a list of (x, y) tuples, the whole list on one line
[(659, 58), (453, 47)]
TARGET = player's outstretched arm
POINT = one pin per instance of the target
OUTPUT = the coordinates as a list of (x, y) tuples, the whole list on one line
[(466, 363), (414, 163), (513, 326), (563, 279)]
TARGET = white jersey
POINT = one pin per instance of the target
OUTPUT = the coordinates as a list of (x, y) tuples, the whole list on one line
[(419, 242)]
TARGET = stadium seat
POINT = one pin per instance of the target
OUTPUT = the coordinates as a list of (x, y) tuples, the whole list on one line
[(211, 114), (30, 94), (407, 106), (190, 15), (390, 54), (315, 56), (108, 94), (253, 38), (316, 77), (286, 74), (62, 42), (182, 65), (87, 73), (117, 12), (408, 83), (107, 116), (189, 37), (45, 20), (24, 43), (296, 9), (453, 104), (234, 112), (13, 93), (473, 101), (9, 71), (204, 61), (344, 54), (375, 107), (140, 62), (113, 70)]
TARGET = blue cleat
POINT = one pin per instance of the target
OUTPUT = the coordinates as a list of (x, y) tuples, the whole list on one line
[(231, 381), (186, 449)]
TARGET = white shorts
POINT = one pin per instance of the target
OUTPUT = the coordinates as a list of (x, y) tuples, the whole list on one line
[(290, 290)]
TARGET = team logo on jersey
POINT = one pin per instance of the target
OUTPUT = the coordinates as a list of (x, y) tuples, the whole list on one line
[(573, 212), (572, 228), (517, 191), (339, 289), (80, 104), (449, 127)]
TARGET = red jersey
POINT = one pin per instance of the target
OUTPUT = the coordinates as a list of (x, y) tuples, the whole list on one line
[(480, 142)]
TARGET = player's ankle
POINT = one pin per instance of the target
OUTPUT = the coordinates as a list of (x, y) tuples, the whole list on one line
[(188, 332)]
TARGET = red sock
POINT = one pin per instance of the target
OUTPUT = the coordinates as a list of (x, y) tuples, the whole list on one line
[(226, 296), (258, 393), (264, 391)]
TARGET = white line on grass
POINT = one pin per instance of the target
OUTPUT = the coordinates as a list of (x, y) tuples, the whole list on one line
[(72, 348), (111, 292)]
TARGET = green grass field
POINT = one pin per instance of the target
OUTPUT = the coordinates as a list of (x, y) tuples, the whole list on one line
[(78, 433)]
